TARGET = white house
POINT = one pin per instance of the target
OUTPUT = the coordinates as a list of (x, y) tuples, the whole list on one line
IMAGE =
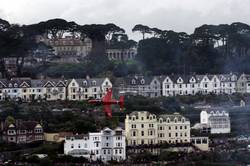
[(104, 145), (83, 89), (218, 120)]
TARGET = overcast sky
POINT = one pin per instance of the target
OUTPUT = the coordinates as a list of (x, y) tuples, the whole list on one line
[(177, 15)]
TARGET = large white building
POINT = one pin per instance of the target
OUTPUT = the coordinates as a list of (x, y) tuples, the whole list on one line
[(146, 128), (104, 145), (218, 120)]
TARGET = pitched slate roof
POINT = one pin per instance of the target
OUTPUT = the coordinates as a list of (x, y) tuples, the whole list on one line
[(23, 125), (185, 78), (136, 113), (37, 83), (78, 136), (172, 117), (138, 80), (226, 77), (98, 82)]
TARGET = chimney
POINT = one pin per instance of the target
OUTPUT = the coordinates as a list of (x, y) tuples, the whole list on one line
[(87, 77)]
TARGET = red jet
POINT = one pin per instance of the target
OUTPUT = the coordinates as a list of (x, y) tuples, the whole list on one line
[(107, 101)]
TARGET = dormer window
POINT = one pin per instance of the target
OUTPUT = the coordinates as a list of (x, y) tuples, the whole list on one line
[(167, 80), (85, 83), (10, 85), (142, 81), (133, 82), (175, 120), (15, 85), (73, 84), (182, 120), (179, 80), (93, 82), (233, 78), (168, 120)]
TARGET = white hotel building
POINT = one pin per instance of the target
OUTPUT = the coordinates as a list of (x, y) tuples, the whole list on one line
[(218, 120), (146, 128), (104, 145)]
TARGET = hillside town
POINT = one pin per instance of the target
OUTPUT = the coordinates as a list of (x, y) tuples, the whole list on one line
[(83, 83)]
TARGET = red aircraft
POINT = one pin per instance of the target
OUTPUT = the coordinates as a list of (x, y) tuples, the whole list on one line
[(107, 101)]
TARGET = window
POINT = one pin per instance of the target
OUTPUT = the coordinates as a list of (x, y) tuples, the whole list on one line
[(142, 125), (142, 133), (151, 132), (142, 81), (133, 82)]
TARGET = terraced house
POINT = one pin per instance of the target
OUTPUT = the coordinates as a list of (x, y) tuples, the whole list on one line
[(174, 85), (27, 89), (148, 86), (83, 89)]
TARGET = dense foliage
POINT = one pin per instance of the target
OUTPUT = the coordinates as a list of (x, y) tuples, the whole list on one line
[(209, 49)]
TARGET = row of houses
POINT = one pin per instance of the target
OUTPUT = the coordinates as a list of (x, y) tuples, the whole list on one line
[(150, 86), (53, 89), (173, 85)]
